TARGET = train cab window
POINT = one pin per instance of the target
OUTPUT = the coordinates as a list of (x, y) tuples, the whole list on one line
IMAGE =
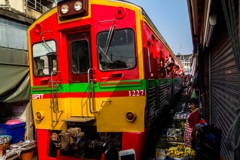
[(121, 53), (80, 56), (44, 58)]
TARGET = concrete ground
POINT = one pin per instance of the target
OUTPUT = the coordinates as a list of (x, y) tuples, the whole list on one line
[(35, 157)]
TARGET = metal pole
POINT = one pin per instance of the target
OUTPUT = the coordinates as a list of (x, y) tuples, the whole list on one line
[(52, 91), (57, 96), (56, 92), (199, 96), (210, 89), (89, 93), (93, 96)]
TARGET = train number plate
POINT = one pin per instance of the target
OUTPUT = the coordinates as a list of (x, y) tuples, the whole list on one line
[(136, 93)]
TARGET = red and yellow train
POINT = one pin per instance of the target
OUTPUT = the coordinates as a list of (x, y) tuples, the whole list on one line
[(99, 79)]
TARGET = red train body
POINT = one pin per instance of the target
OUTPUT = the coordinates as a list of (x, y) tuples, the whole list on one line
[(106, 102)]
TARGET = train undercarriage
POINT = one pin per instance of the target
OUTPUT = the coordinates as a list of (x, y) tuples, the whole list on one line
[(85, 143)]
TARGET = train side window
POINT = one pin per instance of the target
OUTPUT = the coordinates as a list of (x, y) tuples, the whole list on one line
[(159, 65), (44, 58), (166, 72), (162, 65), (149, 58), (172, 59), (80, 56), (152, 59)]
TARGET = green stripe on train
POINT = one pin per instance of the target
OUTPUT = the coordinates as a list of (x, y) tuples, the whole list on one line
[(83, 87)]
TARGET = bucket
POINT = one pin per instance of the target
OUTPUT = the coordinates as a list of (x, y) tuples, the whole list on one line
[(27, 155), (17, 131)]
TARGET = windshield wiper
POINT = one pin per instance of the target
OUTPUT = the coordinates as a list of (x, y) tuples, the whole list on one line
[(48, 46), (42, 37), (110, 33), (105, 54)]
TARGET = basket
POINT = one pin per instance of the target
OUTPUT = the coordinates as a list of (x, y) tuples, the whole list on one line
[(6, 143)]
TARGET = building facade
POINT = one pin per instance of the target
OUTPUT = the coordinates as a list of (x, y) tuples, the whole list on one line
[(215, 35), (15, 18), (185, 60)]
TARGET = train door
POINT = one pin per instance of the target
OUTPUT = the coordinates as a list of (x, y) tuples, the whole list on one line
[(79, 58)]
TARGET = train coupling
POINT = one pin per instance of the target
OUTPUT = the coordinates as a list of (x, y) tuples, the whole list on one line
[(72, 139)]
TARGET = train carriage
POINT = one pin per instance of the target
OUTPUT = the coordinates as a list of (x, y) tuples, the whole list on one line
[(99, 79)]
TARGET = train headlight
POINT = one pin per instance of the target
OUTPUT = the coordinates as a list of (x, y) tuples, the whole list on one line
[(78, 6), (64, 9), (130, 116), (40, 115)]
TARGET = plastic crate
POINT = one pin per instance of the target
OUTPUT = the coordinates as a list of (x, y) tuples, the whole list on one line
[(17, 131)]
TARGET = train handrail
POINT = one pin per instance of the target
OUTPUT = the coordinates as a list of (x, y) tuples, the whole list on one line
[(89, 92), (99, 22), (53, 102)]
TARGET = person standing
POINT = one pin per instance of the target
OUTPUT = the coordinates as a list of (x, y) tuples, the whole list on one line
[(192, 120)]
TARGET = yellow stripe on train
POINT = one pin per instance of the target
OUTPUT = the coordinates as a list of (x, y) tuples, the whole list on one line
[(111, 116)]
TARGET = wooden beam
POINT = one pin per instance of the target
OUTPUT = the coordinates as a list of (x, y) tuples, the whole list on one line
[(29, 115), (190, 19), (200, 6), (194, 16)]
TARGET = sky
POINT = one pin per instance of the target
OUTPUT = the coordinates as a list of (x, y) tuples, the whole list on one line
[(172, 20)]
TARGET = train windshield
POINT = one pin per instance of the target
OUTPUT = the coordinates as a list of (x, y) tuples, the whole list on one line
[(44, 58), (121, 53)]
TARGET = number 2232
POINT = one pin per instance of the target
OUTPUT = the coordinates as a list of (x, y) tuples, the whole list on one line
[(135, 93)]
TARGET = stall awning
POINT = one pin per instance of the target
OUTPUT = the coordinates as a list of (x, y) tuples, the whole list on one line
[(14, 77)]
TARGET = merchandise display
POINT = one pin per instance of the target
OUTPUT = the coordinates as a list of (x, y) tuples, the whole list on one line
[(181, 115), (13, 141), (174, 134), (180, 151), (18, 149)]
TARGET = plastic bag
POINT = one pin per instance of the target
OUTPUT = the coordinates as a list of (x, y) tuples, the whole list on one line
[(193, 94)]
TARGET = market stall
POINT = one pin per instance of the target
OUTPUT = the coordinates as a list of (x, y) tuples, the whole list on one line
[(172, 147), (205, 139), (168, 150), (13, 143)]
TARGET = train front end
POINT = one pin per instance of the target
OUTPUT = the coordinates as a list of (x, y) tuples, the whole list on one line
[(87, 80)]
